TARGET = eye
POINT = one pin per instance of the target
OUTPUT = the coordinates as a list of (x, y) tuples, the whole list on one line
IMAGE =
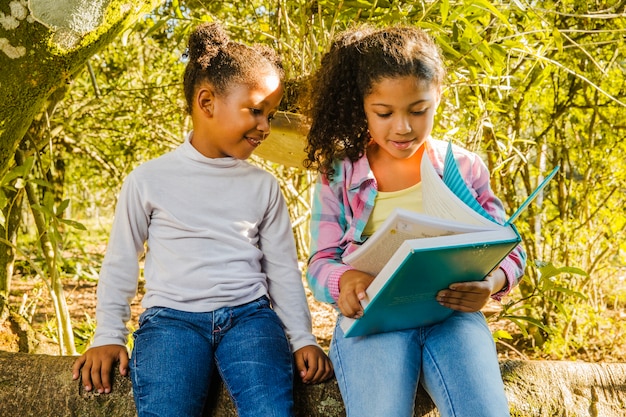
[(256, 112), (419, 112), (270, 117), (383, 115)]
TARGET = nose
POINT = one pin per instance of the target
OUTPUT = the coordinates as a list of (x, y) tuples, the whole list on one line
[(403, 125), (264, 125)]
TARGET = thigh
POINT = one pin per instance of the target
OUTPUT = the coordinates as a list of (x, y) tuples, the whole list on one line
[(256, 362), (171, 365), (461, 370), (377, 374)]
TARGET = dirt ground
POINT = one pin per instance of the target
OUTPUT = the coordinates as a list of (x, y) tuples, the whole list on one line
[(81, 301)]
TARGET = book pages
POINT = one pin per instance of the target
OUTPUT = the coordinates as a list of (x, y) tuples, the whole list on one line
[(401, 225), (442, 202)]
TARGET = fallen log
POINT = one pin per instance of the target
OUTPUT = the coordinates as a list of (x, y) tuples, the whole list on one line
[(42, 385)]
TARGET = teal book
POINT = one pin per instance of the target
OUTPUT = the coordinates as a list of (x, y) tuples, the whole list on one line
[(415, 255)]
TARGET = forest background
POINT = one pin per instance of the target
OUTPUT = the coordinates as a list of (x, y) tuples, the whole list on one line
[(531, 85)]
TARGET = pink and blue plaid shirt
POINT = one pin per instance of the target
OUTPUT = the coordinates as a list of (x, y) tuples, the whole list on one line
[(341, 209)]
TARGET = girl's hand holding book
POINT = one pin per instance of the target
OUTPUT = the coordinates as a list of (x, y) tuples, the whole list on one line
[(352, 286), (474, 295)]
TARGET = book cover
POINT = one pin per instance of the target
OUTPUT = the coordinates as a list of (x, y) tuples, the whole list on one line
[(403, 296)]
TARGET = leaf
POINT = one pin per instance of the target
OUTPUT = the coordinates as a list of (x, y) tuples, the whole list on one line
[(567, 291), (520, 5), (444, 9), (3, 199), (41, 183), (62, 206), (156, 27), (73, 223), (484, 4), (39, 207), (548, 270), (446, 48), (18, 171), (558, 39), (502, 334), (520, 319)]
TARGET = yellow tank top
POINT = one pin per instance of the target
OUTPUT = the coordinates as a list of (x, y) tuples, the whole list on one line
[(408, 199)]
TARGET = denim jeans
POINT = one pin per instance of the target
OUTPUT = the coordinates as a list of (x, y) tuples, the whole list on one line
[(176, 352), (455, 361)]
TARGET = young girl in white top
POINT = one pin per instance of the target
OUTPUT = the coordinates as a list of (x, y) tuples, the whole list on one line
[(222, 286)]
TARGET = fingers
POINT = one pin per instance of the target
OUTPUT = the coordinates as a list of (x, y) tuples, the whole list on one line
[(102, 382), (313, 365), (86, 375), (124, 363), (78, 364), (352, 290), (350, 304), (95, 367), (305, 372), (319, 371), (465, 297)]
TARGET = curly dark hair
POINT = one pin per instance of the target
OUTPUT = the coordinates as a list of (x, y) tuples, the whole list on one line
[(357, 59), (216, 59)]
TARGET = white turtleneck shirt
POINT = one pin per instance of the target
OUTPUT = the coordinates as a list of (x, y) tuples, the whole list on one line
[(215, 232)]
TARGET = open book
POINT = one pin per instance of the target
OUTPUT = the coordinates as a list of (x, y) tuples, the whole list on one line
[(413, 256)]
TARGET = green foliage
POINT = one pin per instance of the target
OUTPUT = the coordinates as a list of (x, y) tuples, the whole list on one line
[(530, 86), (557, 317), (83, 333)]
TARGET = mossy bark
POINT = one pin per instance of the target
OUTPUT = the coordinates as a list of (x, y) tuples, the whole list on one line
[(41, 385), (35, 60)]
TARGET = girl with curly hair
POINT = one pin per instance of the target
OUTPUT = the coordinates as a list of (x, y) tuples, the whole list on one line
[(372, 105)]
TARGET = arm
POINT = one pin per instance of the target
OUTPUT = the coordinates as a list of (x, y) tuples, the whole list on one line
[(286, 291), (117, 287), (328, 230), (329, 278)]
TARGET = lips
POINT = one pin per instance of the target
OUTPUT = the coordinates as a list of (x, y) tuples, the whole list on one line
[(402, 145), (254, 142)]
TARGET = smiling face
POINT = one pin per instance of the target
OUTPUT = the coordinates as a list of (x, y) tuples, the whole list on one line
[(400, 114), (235, 122)]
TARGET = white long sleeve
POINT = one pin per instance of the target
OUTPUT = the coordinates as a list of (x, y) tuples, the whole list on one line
[(216, 233)]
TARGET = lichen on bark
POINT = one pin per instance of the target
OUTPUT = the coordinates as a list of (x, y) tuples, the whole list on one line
[(31, 74)]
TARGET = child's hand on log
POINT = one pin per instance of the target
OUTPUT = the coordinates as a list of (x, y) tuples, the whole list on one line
[(312, 364), (96, 367)]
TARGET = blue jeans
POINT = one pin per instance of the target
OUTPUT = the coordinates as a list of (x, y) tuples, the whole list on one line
[(455, 361), (176, 352)]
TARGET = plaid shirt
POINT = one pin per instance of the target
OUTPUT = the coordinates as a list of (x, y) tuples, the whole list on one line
[(341, 208)]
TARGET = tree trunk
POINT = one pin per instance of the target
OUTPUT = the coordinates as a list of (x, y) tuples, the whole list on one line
[(42, 45), (41, 385), (12, 214)]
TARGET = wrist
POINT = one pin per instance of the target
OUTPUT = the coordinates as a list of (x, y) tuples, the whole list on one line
[(498, 281)]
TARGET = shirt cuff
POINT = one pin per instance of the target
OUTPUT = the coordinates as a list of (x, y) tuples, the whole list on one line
[(510, 282), (334, 278)]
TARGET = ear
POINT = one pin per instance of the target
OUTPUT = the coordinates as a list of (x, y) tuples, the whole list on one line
[(205, 100)]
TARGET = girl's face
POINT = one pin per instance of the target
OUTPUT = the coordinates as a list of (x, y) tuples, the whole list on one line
[(234, 123), (400, 114)]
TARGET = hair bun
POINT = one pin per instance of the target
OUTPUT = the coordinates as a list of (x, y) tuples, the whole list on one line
[(205, 42)]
